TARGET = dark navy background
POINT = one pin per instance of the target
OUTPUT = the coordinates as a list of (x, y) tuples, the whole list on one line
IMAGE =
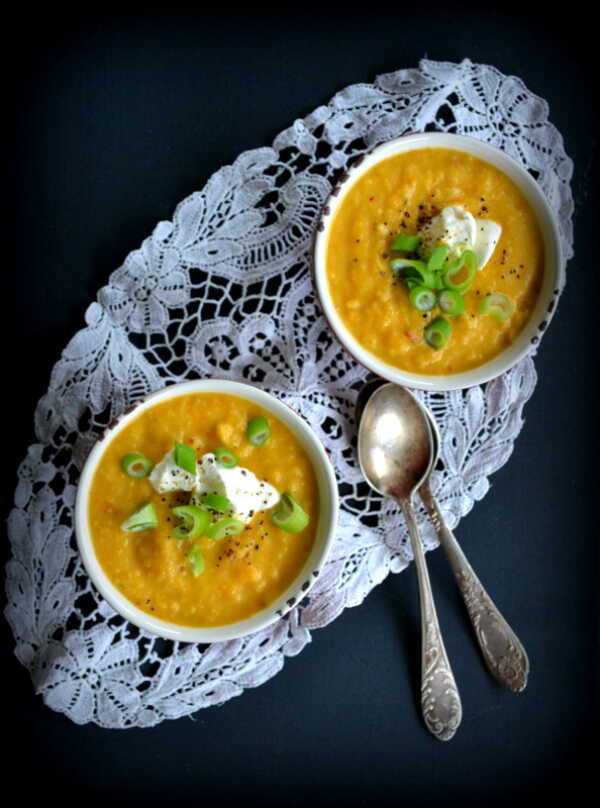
[(117, 116)]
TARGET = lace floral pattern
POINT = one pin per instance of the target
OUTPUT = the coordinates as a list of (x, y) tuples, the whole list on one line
[(223, 289)]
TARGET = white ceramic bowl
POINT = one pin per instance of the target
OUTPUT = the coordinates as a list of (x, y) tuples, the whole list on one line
[(553, 265), (327, 519)]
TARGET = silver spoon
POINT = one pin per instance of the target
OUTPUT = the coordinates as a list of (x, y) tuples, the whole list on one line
[(502, 651), (395, 455)]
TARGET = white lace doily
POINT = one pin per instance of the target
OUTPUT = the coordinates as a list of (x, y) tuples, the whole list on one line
[(224, 290)]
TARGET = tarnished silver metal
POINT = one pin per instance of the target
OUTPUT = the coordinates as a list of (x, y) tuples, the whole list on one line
[(395, 455), (500, 646)]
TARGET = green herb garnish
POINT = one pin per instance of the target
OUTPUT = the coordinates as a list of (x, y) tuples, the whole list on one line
[(290, 515), (437, 333), (185, 457), (143, 519)]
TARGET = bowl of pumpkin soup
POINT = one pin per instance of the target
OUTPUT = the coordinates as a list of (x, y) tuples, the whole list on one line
[(206, 512), (437, 261)]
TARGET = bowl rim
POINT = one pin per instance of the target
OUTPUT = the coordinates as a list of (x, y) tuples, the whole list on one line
[(304, 580), (553, 281)]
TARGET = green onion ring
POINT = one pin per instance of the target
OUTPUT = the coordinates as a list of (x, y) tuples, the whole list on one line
[(437, 333), (468, 260), (258, 431), (412, 283), (225, 458), (194, 521), (196, 560), (216, 502), (225, 527), (185, 457), (450, 302), (406, 269), (422, 299), (400, 264), (405, 243), (498, 305), (437, 257), (290, 515), (143, 519), (136, 466)]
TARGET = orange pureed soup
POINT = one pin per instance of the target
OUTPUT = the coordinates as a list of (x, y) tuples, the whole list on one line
[(244, 573), (397, 196)]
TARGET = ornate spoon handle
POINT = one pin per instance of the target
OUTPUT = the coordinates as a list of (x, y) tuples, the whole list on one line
[(440, 702), (500, 646)]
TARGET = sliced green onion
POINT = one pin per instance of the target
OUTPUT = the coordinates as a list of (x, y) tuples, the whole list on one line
[(225, 458), (437, 333), (258, 431), (450, 274), (290, 515), (498, 305), (422, 299), (450, 302), (470, 259), (185, 457), (216, 502), (438, 281), (412, 283), (196, 560), (194, 521), (407, 269), (412, 276), (437, 257), (225, 527), (143, 519), (406, 243), (400, 264), (137, 466)]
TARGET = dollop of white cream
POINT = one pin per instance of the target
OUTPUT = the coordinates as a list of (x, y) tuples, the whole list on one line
[(243, 489), (248, 495), (460, 231), (487, 237)]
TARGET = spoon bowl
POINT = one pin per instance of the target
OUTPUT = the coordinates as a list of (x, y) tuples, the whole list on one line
[(394, 442)]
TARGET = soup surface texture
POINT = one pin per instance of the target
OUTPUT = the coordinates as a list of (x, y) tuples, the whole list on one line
[(399, 195), (244, 573)]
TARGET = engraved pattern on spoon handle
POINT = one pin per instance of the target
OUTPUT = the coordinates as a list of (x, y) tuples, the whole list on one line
[(500, 646), (440, 701)]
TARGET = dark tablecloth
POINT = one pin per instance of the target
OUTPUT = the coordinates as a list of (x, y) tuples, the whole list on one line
[(119, 115)]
